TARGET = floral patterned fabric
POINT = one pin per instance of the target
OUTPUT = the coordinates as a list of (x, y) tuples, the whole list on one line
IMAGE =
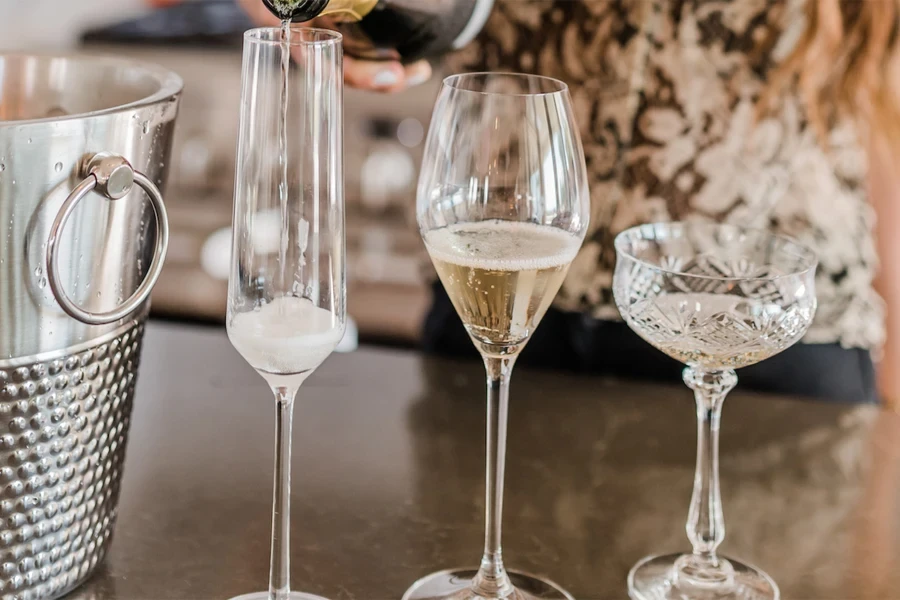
[(665, 94)]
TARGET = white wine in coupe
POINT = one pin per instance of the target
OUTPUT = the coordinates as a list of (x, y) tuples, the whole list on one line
[(501, 275), (289, 336), (717, 331)]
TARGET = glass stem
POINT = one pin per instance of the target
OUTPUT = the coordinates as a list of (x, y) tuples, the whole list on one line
[(280, 565), (706, 521), (492, 580)]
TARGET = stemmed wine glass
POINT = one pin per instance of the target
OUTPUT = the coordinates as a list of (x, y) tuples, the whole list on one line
[(717, 298), (502, 205), (287, 289)]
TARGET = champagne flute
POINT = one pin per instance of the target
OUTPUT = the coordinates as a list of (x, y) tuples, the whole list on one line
[(503, 209), (287, 289), (717, 298)]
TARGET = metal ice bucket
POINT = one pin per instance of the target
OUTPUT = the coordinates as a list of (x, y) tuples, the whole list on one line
[(84, 144)]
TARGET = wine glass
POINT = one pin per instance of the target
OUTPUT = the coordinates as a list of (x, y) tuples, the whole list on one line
[(502, 205), (717, 298), (287, 289)]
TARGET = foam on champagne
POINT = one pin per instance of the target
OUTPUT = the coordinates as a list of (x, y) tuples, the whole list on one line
[(286, 336), (501, 276), (502, 245)]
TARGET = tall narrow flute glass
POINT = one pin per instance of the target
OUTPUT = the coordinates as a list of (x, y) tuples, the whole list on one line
[(287, 289), (503, 208), (717, 298)]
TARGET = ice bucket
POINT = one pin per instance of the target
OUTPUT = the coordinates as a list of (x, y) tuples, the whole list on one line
[(84, 144)]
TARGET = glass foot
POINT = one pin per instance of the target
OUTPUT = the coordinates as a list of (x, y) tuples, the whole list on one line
[(265, 596), (656, 578), (456, 585)]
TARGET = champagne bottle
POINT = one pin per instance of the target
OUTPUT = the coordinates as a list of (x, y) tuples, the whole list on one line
[(404, 30)]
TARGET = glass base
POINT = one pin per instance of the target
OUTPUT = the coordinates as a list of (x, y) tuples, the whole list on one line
[(265, 596), (456, 585), (656, 578)]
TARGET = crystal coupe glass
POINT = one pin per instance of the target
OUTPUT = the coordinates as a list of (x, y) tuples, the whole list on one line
[(716, 298)]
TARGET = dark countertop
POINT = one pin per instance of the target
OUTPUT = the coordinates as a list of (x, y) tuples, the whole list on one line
[(388, 480)]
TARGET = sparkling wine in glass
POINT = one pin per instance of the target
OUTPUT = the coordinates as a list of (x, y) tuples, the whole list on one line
[(716, 298), (503, 208), (287, 289)]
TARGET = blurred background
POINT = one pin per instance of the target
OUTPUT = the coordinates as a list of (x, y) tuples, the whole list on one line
[(201, 41)]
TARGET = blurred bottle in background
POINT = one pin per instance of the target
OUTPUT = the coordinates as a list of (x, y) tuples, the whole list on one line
[(388, 171)]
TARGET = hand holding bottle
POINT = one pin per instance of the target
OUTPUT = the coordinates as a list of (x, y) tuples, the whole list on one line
[(380, 76)]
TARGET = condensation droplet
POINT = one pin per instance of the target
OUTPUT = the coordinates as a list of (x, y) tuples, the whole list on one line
[(57, 167), (42, 283), (38, 272), (145, 127), (29, 140), (2, 167)]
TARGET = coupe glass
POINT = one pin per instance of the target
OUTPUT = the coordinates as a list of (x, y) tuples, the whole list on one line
[(503, 209), (717, 298), (287, 290)]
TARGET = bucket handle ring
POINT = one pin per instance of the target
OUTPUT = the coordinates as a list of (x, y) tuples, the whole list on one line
[(112, 176)]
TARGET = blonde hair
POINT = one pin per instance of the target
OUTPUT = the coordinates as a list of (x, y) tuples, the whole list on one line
[(846, 66)]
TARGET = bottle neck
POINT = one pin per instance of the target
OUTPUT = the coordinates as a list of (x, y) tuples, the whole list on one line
[(304, 10)]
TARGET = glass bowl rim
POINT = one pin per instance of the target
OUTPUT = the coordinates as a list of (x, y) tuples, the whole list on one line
[(452, 81), (329, 37), (800, 250)]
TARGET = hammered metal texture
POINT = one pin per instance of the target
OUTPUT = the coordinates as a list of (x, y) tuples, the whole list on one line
[(63, 428)]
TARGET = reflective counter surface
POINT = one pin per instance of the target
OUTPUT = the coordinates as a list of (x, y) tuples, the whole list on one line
[(389, 475)]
